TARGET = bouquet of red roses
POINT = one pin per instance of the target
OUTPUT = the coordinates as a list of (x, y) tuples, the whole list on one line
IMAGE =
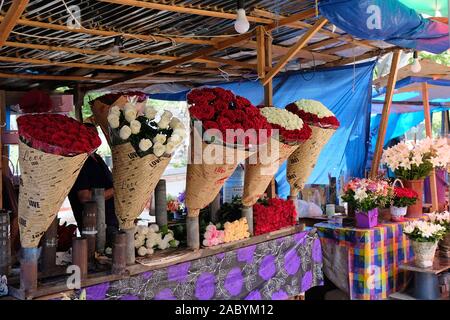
[(261, 167), (323, 125), (404, 197), (273, 214), (52, 150), (35, 101)]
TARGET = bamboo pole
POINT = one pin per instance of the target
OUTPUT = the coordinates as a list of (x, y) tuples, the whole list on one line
[(385, 114), (12, 16), (429, 133)]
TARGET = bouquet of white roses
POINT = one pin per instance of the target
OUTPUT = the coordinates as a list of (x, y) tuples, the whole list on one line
[(424, 231), (414, 160), (441, 218), (149, 238)]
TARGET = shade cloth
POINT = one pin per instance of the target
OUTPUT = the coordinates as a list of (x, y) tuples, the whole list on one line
[(369, 259), (272, 270)]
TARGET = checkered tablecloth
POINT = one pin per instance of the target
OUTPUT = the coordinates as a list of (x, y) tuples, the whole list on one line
[(373, 257)]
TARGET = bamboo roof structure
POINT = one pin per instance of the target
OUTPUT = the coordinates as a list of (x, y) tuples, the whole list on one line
[(68, 42)]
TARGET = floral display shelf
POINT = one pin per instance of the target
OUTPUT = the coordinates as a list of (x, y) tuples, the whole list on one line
[(277, 265), (365, 263)]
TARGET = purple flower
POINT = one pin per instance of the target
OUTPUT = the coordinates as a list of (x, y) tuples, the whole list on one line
[(279, 295), (254, 295), (205, 287), (165, 294), (178, 272), (291, 262), (246, 254), (181, 197), (234, 281), (267, 268)]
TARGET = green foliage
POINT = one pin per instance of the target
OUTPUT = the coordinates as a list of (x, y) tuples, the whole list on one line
[(416, 172)]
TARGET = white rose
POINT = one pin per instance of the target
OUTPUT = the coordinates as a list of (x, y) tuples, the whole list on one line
[(145, 144), (154, 227), (159, 138), (135, 126), (125, 132), (170, 147), (180, 132), (115, 110), (150, 251), (176, 123), (150, 112), (130, 113), (163, 123), (158, 149), (167, 115), (142, 251), (175, 139), (113, 120)]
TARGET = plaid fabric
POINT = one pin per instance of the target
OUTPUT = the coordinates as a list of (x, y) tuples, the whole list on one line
[(374, 256)]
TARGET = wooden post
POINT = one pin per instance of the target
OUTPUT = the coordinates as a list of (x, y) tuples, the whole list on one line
[(5, 247), (268, 88), (79, 101), (385, 114), (119, 256), (2, 148), (429, 133), (49, 247), (261, 51), (161, 203), (80, 255)]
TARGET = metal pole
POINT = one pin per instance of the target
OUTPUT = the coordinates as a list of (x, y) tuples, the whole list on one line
[(5, 247), (80, 255), (247, 212), (29, 270), (119, 256), (89, 227), (130, 250), (193, 233), (99, 198), (161, 203), (214, 208), (49, 247)]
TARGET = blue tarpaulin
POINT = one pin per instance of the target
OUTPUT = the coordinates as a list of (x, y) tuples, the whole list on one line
[(387, 20), (345, 90)]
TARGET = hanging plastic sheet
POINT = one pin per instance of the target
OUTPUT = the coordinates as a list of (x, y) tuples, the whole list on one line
[(387, 20)]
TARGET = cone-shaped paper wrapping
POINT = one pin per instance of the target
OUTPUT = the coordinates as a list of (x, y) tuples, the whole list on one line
[(45, 183), (134, 180), (211, 165), (258, 176), (302, 162), (101, 111)]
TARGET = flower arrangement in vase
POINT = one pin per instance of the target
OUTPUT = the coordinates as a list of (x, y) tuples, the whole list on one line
[(442, 219), (413, 161), (402, 198), (366, 196), (424, 236)]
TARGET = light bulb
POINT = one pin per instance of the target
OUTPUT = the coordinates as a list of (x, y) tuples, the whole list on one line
[(416, 67), (241, 25)]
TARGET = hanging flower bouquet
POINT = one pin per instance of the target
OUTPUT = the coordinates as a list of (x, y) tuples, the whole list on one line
[(52, 150), (142, 147), (273, 214), (292, 132), (236, 124), (323, 125), (100, 106), (366, 196)]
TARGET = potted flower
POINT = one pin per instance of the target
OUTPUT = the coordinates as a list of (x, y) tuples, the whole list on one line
[(413, 161), (424, 236), (402, 198), (366, 196), (443, 219)]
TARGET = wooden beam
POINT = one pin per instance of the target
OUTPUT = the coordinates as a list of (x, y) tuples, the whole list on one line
[(52, 77), (367, 55), (429, 133), (261, 51), (12, 16), (2, 120), (268, 88), (385, 114), (295, 49), (186, 10)]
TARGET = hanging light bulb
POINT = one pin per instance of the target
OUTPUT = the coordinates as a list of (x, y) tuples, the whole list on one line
[(416, 67), (241, 25)]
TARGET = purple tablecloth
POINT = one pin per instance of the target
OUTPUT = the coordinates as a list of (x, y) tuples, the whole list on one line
[(275, 269)]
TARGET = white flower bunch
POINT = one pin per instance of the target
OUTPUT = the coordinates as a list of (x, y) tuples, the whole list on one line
[(282, 117), (314, 107), (147, 239), (132, 126), (441, 218), (424, 231), (441, 155)]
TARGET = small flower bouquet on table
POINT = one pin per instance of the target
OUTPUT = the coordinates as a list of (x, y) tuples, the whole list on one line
[(424, 238), (442, 219), (413, 162), (274, 214), (289, 131), (52, 150), (147, 239), (402, 198), (232, 231), (366, 196), (142, 146), (323, 124), (232, 127)]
